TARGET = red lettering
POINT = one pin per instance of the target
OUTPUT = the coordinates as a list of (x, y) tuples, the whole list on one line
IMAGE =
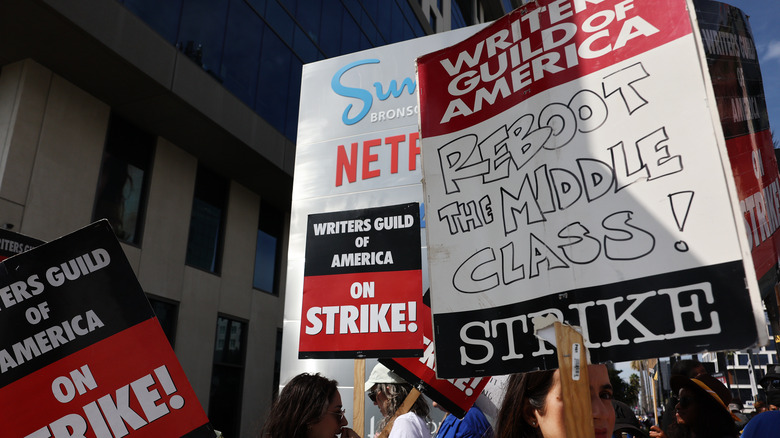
[(393, 142), (368, 158), (414, 150), (347, 161), (345, 164)]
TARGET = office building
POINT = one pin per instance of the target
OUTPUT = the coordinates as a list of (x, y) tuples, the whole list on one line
[(176, 120)]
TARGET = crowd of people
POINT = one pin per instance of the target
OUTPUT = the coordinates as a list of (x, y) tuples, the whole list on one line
[(310, 406)]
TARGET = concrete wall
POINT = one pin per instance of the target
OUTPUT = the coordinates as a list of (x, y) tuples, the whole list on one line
[(51, 144)]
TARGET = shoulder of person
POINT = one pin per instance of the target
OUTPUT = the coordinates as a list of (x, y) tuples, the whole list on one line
[(410, 425)]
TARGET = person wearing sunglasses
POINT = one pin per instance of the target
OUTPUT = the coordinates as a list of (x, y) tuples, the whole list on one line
[(771, 384), (388, 390), (702, 409), (309, 406)]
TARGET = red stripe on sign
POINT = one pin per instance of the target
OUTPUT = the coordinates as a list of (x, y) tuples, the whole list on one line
[(534, 49), (129, 384), (362, 311), (754, 166)]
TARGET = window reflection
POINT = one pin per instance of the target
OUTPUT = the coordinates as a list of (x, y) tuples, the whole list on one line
[(122, 186), (256, 47)]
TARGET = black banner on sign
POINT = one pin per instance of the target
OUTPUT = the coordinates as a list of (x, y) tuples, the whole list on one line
[(660, 316), (374, 240), (732, 61), (12, 243), (81, 352), (48, 281)]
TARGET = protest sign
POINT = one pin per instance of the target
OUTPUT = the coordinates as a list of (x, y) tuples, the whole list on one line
[(81, 353), (362, 287), (12, 243), (357, 148), (732, 61), (573, 167), (456, 396)]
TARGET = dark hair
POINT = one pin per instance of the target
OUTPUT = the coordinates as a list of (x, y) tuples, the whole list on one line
[(713, 418), (523, 390), (686, 367), (301, 403), (396, 393)]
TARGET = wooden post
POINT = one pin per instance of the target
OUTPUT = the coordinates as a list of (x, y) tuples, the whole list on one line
[(359, 397), (414, 394), (651, 365), (575, 385)]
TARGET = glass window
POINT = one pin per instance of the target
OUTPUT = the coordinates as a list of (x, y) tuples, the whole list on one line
[(282, 23), (241, 58), (274, 80), (167, 313), (330, 25), (294, 98), (743, 378), (204, 245), (227, 376), (163, 17), (457, 17), (203, 25), (268, 251), (124, 179), (308, 16), (304, 47), (350, 40), (385, 10)]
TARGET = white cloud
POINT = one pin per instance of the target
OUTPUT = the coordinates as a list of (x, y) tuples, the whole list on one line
[(772, 51)]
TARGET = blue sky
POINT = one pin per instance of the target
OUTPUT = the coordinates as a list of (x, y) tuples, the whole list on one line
[(764, 17)]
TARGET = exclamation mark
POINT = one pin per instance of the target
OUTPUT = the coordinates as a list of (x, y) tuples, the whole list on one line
[(176, 401), (412, 316), (473, 385)]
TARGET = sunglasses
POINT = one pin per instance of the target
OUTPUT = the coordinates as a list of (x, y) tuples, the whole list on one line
[(686, 402), (775, 383), (372, 394), (339, 414)]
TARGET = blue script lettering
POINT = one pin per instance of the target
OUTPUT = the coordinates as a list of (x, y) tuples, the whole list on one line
[(365, 96)]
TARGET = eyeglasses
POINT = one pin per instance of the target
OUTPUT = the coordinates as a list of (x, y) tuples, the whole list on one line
[(775, 383), (372, 394), (339, 414), (686, 401)]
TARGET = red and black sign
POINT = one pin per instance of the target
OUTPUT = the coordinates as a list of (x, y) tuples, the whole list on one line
[(456, 396), (732, 60), (81, 352), (362, 287)]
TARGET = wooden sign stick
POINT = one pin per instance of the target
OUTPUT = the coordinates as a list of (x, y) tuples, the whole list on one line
[(575, 386), (414, 394), (359, 397)]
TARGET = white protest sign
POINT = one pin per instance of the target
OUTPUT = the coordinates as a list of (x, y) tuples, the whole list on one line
[(572, 167)]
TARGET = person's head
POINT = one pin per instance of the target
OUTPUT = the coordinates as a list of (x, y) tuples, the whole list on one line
[(759, 406), (771, 384), (309, 406), (626, 421), (688, 368), (533, 405), (388, 390), (703, 406)]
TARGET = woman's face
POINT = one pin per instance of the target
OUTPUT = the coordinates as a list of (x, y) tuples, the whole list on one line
[(331, 421), (381, 402), (551, 421), (686, 412)]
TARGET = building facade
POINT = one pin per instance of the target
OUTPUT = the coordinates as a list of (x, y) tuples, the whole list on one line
[(176, 121)]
